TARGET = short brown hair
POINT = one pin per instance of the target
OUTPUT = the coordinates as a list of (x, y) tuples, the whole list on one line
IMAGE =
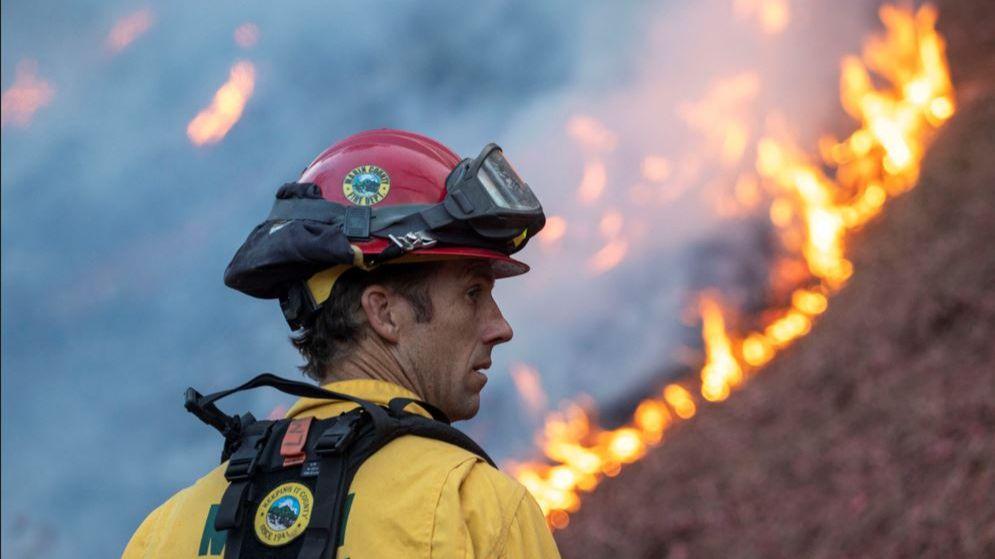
[(340, 322)]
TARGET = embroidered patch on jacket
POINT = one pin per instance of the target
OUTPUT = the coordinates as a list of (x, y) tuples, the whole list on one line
[(283, 514)]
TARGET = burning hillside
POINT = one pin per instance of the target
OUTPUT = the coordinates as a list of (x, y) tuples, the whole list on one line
[(873, 434), (899, 92)]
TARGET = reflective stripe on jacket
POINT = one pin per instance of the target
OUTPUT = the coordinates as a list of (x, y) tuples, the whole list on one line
[(415, 498)]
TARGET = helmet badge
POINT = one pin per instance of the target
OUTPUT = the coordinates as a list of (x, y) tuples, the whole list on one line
[(366, 185)]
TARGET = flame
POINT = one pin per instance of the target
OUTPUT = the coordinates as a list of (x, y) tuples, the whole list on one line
[(591, 134), (720, 116), (609, 256), (812, 210), (529, 387), (247, 35), (592, 185), (25, 96), (721, 371), (555, 229), (773, 15), (129, 28), (212, 123)]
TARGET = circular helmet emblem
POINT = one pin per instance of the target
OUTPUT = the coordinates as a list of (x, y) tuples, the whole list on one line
[(366, 185), (283, 514)]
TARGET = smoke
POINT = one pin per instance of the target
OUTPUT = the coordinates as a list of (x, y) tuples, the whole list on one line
[(116, 229)]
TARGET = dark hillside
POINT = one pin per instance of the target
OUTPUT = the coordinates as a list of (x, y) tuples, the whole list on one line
[(874, 436)]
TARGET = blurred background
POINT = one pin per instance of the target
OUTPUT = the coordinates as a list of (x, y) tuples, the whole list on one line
[(674, 146)]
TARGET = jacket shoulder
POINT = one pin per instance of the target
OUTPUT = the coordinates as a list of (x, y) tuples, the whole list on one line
[(184, 522)]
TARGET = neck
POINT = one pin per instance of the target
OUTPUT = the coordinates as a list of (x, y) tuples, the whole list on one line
[(372, 359)]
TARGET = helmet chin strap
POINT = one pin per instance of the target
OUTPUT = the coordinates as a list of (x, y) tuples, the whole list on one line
[(304, 299)]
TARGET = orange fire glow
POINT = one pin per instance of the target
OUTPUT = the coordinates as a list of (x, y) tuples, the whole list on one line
[(591, 134), (129, 28), (212, 123), (773, 15), (25, 96), (722, 371), (592, 185), (529, 387), (555, 229), (812, 211), (720, 116)]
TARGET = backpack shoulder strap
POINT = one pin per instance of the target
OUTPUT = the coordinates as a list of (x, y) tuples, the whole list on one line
[(345, 443), (344, 448), (420, 426)]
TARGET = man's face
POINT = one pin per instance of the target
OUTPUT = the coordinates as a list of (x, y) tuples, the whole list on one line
[(448, 353)]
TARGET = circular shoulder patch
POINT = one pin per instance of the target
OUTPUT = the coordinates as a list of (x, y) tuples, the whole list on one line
[(283, 514), (366, 185)]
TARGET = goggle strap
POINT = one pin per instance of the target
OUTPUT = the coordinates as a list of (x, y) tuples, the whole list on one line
[(436, 217)]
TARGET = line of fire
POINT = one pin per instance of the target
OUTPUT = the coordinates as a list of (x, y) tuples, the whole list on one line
[(898, 92)]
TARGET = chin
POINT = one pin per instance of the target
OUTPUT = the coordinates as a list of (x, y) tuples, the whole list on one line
[(467, 410)]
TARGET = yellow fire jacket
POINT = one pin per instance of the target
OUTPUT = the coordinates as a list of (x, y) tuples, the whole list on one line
[(415, 498)]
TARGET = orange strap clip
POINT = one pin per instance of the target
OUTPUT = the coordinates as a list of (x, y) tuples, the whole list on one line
[(292, 447)]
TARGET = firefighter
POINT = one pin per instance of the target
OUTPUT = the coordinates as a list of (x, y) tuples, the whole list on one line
[(383, 256)]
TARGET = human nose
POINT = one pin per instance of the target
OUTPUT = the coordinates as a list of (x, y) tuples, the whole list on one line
[(498, 330)]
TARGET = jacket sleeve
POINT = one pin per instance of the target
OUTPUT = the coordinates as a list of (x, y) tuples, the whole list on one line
[(484, 514), (529, 535), (140, 545)]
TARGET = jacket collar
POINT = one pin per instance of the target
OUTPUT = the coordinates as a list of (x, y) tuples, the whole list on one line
[(376, 391)]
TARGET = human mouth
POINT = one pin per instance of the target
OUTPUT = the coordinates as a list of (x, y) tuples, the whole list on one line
[(479, 369)]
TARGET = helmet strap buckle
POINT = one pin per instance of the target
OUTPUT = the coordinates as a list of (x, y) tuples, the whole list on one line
[(413, 240), (356, 222)]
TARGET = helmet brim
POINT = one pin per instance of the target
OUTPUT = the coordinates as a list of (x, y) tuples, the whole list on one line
[(503, 265)]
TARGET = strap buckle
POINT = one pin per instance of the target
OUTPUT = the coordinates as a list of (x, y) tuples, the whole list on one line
[(242, 463), (413, 240), (337, 438)]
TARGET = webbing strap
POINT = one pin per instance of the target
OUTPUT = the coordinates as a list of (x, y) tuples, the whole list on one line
[(230, 516), (329, 496), (295, 388), (397, 405), (335, 473), (424, 427), (324, 211), (230, 511)]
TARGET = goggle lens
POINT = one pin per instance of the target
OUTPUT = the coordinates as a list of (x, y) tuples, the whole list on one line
[(504, 186)]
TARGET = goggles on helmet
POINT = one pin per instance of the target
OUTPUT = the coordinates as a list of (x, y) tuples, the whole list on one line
[(487, 205), (491, 197)]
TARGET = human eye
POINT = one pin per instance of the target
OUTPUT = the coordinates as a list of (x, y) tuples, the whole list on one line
[(474, 291)]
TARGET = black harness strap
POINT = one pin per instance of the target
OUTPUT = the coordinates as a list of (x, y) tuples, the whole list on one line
[(397, 405), (423, 427), (340, 449), (241, 468), (199, 405), (334, 477)]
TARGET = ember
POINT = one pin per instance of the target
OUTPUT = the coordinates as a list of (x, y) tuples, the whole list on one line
[(211, 124), (129, 28), (25, 96), (811, 210)]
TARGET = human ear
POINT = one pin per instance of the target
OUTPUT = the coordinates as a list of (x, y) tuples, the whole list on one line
[(380, 308)]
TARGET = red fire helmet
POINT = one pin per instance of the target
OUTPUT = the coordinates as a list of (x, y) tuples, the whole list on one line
[(383, 168), (378, 198)]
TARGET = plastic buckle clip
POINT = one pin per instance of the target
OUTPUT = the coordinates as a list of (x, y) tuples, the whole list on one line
[(336, 438), (242, 463)]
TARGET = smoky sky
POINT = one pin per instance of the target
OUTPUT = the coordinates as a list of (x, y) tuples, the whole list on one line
[(116, 230)]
